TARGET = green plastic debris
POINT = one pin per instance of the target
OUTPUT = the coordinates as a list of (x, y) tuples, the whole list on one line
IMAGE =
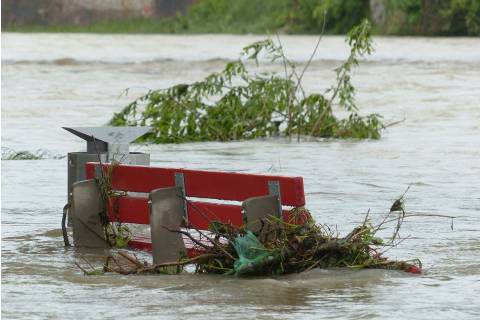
[(252, 255)]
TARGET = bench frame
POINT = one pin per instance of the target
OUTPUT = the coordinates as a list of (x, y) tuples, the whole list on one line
[(176, 198)]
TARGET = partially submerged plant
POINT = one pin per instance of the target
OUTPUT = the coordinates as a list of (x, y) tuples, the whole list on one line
[(235, 104), (10, 154)]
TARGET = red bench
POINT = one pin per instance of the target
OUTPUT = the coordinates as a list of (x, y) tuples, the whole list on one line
[(203, 189)]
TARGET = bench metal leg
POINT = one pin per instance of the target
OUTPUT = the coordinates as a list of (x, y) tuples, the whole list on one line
[(257, 208), (166, 212), (86, 207)]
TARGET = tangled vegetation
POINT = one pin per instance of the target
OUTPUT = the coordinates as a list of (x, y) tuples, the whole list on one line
[(235, 104), (117, 234), (280, 247)]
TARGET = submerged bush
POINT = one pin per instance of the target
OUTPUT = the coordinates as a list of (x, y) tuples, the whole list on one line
[(235, 104)]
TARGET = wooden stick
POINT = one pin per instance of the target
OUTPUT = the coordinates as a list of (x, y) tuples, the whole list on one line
[(131, 259)]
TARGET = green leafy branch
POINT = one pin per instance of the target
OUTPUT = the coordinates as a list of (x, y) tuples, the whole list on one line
[(235, 104)]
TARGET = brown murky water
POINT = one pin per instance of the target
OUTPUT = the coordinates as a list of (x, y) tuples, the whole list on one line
[(49, 81)]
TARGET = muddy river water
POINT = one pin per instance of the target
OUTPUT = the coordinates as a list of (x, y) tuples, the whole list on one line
[(49, 81)]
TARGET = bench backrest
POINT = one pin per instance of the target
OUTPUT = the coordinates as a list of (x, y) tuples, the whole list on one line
[(197, 184)]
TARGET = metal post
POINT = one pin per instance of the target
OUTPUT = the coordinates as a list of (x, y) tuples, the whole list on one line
[(274, 189), (180, 183), (166, 215), (104, 144)]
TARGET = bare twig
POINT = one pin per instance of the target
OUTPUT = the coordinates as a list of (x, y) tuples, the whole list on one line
[(185, 262), (287, 89), (391, 124), (294, 71), (393, 245), (316, 47), (81, 268), (130, 258), (203, 234), (366, 218), (189, 236), (84, 259)]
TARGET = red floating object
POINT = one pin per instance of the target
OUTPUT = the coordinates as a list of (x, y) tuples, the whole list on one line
[(414, 269)]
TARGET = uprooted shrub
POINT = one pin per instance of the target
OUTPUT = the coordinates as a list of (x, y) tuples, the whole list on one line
[(235, 104)]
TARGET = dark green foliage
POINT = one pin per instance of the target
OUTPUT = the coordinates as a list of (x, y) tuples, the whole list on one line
[(239, 16), (252, 16), (462, 17), (433, 17), (411, 8), (342, 15), (417, 17), (234, 104), (245, 16)]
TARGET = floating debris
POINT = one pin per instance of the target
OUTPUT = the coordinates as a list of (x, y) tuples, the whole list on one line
[(281, 247)]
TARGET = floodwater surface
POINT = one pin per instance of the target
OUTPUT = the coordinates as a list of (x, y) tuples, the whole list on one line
[(50, 81)]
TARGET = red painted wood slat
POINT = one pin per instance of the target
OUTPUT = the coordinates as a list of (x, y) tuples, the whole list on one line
[(204, 184), (145, 244), (200, 214), (135, 210), (129, 209)]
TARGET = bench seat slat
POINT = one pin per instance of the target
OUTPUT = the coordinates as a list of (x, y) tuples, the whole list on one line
[(144, 243), (201, 213), (129, 209), (204, 184)]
